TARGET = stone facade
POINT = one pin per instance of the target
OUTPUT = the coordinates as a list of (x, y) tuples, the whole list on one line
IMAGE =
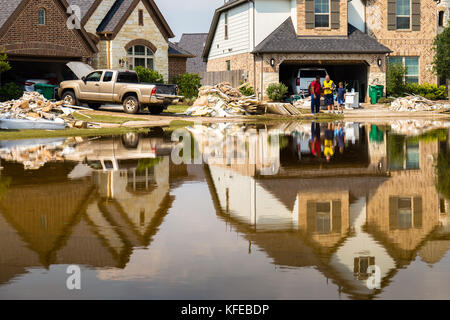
[(111, 52), (406, 42), (25, 37), (301, 26), (244, 61)]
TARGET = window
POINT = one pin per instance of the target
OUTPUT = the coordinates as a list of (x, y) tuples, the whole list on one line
[(107, 77), (140, 56), (127, 77), (323, 217), (226, 25), (441, 19), (228, 65), (412, 65), (403, 13), (322, 13), (141, 17), (41, 17), (94, 76)]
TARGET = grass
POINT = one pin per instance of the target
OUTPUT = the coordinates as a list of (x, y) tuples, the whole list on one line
[(92, 117), (42, 134), (176, 109)]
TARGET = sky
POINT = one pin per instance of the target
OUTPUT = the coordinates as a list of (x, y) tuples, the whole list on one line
[(188, 16)]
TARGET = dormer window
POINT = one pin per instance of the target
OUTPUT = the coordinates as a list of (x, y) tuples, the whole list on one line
[(322, 13), (41, 17)]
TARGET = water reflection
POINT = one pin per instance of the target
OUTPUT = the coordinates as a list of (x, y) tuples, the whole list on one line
[(337, 197)]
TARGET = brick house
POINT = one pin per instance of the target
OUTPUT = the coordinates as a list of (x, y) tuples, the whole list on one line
[(177, 60), (113, 34), (353, 40)]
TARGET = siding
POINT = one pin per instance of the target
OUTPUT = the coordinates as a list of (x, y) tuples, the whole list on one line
[(356, 14), (270, 14), (238, 33)]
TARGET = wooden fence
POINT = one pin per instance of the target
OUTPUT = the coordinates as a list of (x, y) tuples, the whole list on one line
[(235, 77)]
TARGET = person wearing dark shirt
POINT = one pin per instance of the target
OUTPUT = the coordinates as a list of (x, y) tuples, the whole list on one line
[(341, 97), (315, 91)]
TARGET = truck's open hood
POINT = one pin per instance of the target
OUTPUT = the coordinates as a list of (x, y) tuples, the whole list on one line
[(80, 69)]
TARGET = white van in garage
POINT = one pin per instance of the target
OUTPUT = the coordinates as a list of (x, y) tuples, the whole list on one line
[(304, 78)]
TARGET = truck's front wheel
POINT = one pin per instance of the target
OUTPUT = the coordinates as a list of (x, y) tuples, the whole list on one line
[(69, 98), (131, 105), (156, 109)]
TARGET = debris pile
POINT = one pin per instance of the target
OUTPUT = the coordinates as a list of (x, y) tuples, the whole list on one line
[(303, 103), (223, 100), (34, 157), (33, 108), (416, 103)]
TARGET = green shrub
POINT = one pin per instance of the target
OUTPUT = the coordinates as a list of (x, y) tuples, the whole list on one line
[(276, 91), (429, 91), (148, 76), (10, 91), (188, 83), (247, 90), (395, 76), (443, 174)]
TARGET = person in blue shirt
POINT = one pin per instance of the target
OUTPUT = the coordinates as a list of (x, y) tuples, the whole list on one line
[(341, 93)]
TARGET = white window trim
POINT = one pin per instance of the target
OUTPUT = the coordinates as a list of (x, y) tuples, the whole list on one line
[(323, 14), (133, 56), (404, 16)]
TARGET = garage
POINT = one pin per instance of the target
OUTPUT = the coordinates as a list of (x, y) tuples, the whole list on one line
[(354, 74), (23, 70)]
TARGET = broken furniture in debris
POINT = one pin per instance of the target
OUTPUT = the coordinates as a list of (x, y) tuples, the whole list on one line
[(34, 111), (223, 100)]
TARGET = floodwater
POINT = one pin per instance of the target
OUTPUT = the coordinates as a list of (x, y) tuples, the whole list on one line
[(279, 211)]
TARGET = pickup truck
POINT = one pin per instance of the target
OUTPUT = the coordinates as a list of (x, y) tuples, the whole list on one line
[(118, 87)]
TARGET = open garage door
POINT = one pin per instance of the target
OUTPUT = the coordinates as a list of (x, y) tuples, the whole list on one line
[(353, 74), (22, 71)]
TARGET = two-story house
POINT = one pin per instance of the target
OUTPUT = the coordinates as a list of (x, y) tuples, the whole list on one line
[(354, 40), (41, 36)]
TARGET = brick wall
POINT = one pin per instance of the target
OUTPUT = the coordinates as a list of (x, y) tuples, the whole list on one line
[(26, 37), (177, 66), (301, 26), (405, 42)]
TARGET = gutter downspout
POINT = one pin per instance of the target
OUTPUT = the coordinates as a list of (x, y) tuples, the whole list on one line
[(108, 50)]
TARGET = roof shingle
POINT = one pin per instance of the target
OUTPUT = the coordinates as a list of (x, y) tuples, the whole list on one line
[(8, 8), (285, 40), (194, 43)]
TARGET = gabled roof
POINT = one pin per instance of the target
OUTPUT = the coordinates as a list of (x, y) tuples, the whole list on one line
[(212, 30), (11, 9), (285, 40), (176, 51), (194, 43), (122, 9), (8, 8)]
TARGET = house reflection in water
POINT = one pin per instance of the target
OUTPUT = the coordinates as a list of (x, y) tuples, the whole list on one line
[(96, 220), (378, 207)]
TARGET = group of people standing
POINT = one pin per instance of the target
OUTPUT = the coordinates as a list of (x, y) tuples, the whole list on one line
[(327, 89), (332, 141)]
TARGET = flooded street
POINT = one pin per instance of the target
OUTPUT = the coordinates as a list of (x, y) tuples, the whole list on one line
[(342, 210)]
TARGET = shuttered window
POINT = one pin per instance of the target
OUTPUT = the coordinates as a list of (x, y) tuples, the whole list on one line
[(141, 17), (322, 13), (404, 15)]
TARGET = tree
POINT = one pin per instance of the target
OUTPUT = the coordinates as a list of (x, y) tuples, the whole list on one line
[(395, 79), (148, 76), (188, 83), (4, 64), (441, 62)]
